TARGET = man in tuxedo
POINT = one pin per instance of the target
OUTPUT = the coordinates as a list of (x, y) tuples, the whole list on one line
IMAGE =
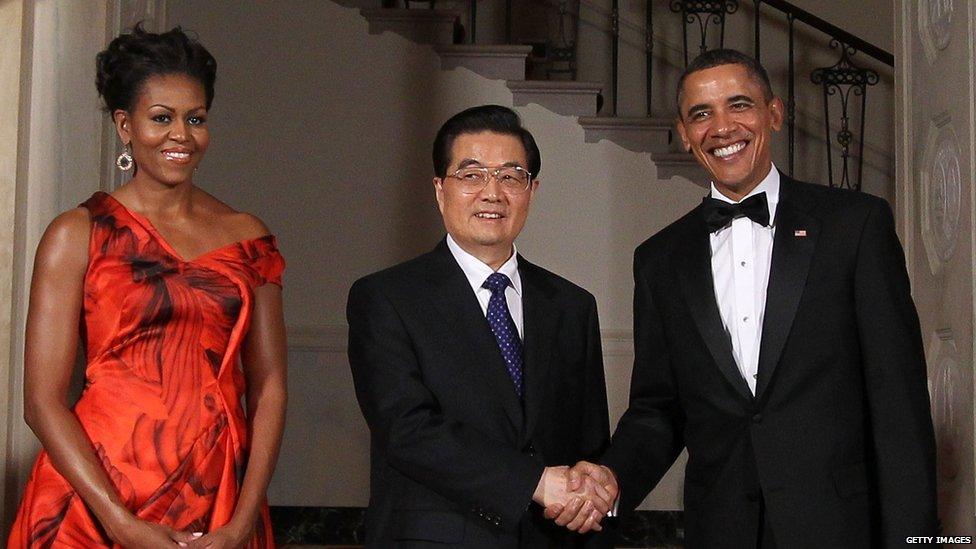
[(479, 373), (775, 339)]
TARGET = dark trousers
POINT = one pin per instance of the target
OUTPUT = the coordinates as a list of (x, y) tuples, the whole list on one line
[(765, 537)]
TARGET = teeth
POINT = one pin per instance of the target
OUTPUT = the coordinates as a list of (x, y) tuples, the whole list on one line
[(485, 215), (730, 150), (178, 155)]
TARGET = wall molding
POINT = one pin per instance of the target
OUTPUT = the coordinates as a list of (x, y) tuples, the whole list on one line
[(971, 24), (904, 138), (332, 338), (322, 339), (345, 526)]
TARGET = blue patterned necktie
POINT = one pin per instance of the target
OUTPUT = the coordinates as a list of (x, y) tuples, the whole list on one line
[(502, 325)]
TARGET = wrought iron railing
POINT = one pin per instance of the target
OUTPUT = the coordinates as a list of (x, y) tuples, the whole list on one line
[(845, 80), (840, 79)]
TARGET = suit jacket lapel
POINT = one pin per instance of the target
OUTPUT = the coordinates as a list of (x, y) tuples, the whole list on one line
[(695, 274), (540, 318), (459, 307), (796, 238)]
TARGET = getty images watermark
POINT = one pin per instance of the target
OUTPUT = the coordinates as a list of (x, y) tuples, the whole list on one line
[(939, 539)]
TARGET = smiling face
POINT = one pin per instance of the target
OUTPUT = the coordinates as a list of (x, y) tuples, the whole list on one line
[(486, 223), (727, 123), (166, 128)]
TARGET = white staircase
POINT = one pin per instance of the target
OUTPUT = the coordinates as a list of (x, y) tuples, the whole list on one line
[(421, 26), (440, 28), (501, 62)]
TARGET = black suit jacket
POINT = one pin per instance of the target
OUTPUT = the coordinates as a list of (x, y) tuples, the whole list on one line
[(455, 456), (838, 440)]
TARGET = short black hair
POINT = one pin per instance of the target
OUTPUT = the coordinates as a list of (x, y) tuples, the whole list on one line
[(486, 118), (132, 58), (715, 58)]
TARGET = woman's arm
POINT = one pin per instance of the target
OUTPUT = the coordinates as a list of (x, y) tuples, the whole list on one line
[(264, 358), (53, 316)]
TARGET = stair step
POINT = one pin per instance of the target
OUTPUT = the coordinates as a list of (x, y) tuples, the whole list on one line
[(498, 61), (359, 4), (562, 97), (421, 26), (671, 164), (441, 28), (639, 134)]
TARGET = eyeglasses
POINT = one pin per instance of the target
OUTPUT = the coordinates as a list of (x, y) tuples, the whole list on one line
[(512, 179)]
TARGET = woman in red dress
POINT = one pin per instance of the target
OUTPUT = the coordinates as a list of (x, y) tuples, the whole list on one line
[(179, 302)]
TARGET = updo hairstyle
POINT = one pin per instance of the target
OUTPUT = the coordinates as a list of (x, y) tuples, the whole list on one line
[(131, 59)]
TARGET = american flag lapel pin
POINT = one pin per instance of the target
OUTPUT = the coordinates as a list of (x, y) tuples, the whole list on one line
[(799, 233)]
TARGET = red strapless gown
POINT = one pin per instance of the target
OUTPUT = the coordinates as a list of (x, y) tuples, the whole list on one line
[(162, 401)]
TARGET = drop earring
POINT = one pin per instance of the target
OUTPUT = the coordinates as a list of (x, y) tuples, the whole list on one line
[(124, 161)]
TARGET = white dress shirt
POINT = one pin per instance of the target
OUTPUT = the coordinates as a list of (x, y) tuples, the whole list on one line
[(477, 272), (741, 255)]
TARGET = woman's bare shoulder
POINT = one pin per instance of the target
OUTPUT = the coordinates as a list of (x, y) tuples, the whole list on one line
[(65, 241), (243, 225)]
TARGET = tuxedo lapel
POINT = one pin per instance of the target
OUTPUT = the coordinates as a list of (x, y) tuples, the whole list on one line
[(796, 238), (458, 306), (695, 275), (539, 326)]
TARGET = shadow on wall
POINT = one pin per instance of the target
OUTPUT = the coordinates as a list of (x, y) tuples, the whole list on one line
[(325, 131)]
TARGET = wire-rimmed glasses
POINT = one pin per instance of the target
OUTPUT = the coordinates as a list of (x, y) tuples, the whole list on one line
[(512, 179)]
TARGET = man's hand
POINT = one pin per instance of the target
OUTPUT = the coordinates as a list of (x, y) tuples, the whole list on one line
[(583, 506), (572, 515)]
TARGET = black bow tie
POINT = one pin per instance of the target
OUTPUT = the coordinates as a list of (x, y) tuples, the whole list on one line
[(719, 213)]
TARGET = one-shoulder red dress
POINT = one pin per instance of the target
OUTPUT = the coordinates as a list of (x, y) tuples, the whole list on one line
[(162, 400)]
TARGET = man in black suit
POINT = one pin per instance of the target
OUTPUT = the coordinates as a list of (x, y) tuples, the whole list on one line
[(478, 373), (775, 339)]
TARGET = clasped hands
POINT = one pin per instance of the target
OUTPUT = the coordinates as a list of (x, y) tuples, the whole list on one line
[(577, 497), (135, 533)]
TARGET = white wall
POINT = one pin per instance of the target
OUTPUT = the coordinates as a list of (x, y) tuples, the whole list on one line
[(11, 33), (325, 131), (58, 130), (871, 20)]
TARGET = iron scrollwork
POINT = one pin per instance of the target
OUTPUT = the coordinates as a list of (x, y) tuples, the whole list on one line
[(703, 12), (844, 79), (562, 54)]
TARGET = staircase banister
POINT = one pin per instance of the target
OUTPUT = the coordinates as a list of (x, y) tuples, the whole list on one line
[(834, 31)]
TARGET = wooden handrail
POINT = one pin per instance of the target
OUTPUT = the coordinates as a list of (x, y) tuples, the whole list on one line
[(834, 31)]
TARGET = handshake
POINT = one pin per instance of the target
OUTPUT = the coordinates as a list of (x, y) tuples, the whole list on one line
[(577, 497)]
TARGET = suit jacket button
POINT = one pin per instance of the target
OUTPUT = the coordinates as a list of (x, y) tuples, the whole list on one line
[(757, 418)]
